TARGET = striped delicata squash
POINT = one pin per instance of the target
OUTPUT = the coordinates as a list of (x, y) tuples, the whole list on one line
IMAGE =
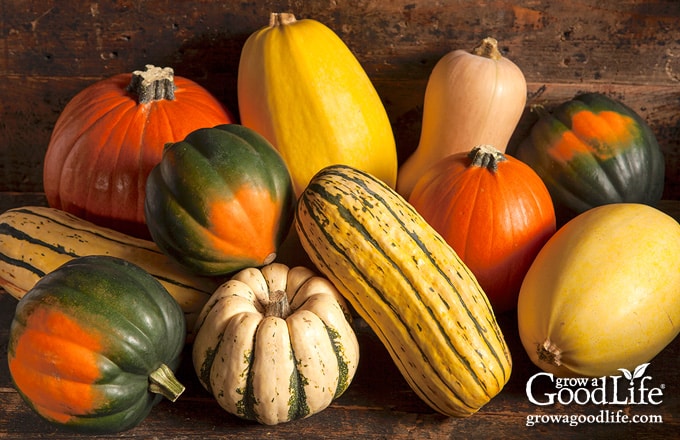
[(35, 240), (408, 285)]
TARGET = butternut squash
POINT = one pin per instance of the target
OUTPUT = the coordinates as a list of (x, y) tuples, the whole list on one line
[(472, 98)]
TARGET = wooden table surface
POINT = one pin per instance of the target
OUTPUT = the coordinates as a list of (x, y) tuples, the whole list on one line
[(378, 405)]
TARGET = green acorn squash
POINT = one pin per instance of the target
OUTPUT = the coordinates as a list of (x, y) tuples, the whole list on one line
[(220, 200), (594, 150), (94, 343)]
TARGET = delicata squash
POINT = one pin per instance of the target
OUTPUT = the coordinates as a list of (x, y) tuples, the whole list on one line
[(409, 286)]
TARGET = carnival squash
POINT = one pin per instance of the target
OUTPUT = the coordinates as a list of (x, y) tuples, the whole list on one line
[(110, 135), (275, 344), (603, 293), (94, 344), (302, 88), (220, 200), (593, 150), (408, 285), (494, 211), (472, 98)]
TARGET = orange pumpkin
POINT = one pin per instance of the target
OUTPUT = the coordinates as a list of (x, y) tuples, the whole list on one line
[(494, 211), (109, 137)]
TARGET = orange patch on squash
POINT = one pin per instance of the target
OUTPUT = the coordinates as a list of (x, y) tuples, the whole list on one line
[(54, 365), (246, 225), (597, 134)]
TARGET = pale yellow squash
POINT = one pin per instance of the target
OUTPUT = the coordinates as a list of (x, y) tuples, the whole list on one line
[(472, 98), (302, 88), (603, 293)]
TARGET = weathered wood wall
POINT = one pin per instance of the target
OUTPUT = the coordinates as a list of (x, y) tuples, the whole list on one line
[(629, 49)]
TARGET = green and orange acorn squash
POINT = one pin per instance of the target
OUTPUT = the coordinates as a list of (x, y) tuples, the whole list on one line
[(93, 345), (594, 150), (220, 200)]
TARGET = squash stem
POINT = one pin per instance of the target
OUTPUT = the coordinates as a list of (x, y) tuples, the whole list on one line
[(281, 18), (153, 84), (540, 110), (278, 305), (163, 381), (486, 156), (488, 48), (549, 352)]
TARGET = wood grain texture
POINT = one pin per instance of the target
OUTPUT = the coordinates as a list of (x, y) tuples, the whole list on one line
[(628, 49)]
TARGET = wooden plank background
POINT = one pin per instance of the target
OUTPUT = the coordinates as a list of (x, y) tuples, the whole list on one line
[(51, 50), (629, 49)]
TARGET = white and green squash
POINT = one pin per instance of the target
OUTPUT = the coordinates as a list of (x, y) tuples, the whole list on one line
[(275, 344)]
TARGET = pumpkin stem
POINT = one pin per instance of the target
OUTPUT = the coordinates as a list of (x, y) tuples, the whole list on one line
[(486, 156), (488, 48), (163, 381), (278, 305), (153, 84), (549, 352), (281, 18)]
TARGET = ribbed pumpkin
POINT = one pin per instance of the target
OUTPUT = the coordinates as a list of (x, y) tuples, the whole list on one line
[(275, 344), (494, 211), (408, 285), (302, 88), (472, 98), (110, 135), (93, 345), (220, 200), (593, 150)]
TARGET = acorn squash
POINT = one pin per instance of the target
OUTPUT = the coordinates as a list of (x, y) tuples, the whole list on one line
[(594, 150), (220, 200), (93, 345)]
